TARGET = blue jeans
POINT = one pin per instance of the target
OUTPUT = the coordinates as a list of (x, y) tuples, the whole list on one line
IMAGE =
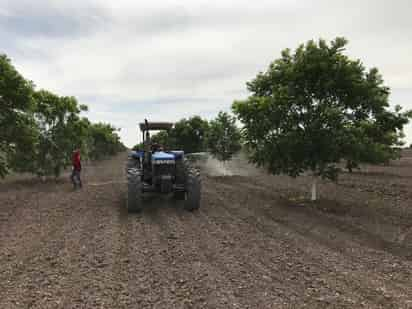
[(75, 178)]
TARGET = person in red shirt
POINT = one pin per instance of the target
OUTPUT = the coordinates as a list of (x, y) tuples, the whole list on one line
[(76, 169)]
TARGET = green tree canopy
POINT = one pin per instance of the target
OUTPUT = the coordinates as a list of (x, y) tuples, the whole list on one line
[(315, 107), (17, 128), (61, 130), (104, 141), (163, 138), (223, 138), (189, 134), (138, 147)]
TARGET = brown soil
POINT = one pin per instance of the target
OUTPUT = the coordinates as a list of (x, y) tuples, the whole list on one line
[(255, 243)]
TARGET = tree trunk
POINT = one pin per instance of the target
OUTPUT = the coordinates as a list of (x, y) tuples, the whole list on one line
[(314, 189)]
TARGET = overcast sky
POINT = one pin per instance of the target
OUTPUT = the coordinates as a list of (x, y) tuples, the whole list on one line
[(164, 60)]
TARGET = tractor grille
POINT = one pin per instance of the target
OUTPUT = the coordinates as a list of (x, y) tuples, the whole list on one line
[(164, 169)]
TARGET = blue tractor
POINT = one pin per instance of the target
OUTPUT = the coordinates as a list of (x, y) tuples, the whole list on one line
[(154, 169)]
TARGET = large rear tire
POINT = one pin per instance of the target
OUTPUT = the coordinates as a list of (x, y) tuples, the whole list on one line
[(132, 163), (134, 192), (193, 189)]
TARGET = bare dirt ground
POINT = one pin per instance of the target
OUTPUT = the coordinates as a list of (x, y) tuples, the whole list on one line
[(255, 243)]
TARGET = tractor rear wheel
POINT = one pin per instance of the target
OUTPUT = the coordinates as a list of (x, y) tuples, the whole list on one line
[(193, 190), (134, 193), (132, 163)]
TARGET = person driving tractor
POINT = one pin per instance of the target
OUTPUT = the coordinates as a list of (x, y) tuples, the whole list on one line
[(156, 147)]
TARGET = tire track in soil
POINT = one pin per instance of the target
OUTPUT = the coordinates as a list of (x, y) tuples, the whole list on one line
[(374, 295), (250, 282), (181, 287), (134, 257), (197, 260), (153, 262), (146, 280), (135, 269)]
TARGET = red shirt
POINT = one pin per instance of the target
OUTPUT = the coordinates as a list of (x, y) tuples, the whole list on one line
[(76, 161)]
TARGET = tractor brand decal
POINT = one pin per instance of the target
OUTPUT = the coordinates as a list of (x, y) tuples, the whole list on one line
[(163, 161)]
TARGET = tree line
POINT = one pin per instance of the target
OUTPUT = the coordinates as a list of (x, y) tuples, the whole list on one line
[(39, 129), (313, 110)]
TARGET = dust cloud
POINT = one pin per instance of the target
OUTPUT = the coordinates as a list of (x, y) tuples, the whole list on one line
[(238, 166)]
